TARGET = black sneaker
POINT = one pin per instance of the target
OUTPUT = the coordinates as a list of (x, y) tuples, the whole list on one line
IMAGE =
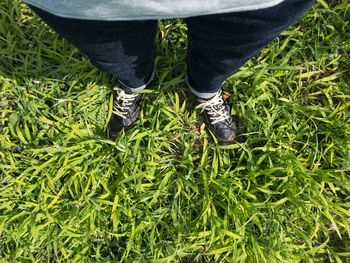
[(126, 109), (217, 116)]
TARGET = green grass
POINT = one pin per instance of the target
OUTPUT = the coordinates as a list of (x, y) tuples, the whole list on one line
[(164, 191)]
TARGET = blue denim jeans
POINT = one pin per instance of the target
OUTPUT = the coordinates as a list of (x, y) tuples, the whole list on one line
[(218, 44)]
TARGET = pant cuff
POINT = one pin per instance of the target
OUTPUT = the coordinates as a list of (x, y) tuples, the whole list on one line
[(141, 87), (201, 95), (133, 89)]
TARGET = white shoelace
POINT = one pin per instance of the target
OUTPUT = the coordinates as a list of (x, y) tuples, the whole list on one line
[(215, 107), (125, 99)]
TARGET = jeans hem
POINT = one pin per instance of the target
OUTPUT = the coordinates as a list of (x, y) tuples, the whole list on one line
[(141, 87), (201, 95)]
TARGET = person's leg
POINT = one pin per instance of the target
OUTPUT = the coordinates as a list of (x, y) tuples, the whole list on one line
[(221, 44), (124, 49)]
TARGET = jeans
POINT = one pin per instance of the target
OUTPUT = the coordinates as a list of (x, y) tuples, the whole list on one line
[(218, 44)]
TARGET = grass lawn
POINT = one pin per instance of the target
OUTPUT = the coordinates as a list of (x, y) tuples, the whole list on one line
[(165, 191)]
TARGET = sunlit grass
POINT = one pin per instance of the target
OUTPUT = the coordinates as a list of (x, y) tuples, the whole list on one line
[(164, 191)]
